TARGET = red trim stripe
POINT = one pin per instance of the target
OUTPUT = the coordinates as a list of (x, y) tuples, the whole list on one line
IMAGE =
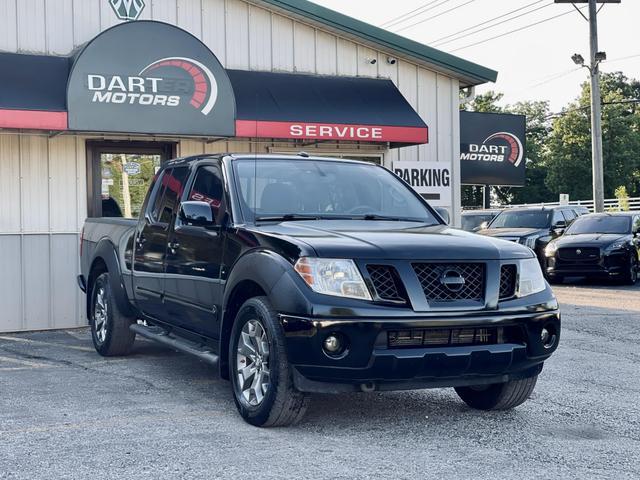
[(33, 119), (331, 131)]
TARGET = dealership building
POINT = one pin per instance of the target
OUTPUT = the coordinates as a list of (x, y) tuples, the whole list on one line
[(96, 94)]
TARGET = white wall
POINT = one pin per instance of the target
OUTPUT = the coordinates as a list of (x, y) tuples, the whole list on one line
[(43, 180), (42, 207)]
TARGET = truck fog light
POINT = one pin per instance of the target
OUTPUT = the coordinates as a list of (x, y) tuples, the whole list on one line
[(548, 337), (334, 345)]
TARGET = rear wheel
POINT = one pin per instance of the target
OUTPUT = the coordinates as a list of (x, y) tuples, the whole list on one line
[(498, 396), (109, 327), (260, 372)]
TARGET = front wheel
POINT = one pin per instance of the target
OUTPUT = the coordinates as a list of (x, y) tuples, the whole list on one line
[(631, 275), (109, 327), (259, 370), (498, 396)]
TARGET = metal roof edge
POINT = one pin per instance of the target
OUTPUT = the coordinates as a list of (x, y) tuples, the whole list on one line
[(350, 25)]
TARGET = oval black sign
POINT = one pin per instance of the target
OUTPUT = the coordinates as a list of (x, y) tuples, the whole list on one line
[(149, 77)]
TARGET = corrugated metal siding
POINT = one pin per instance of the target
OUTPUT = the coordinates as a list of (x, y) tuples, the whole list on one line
[(42, 205), (43, 180)]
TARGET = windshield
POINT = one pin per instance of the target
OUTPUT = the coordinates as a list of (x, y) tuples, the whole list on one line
[(273, 188), (473, 220), (600, 224), (522, 219)]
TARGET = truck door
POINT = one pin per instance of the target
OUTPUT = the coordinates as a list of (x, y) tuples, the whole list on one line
[(150, 244), (193, 292)]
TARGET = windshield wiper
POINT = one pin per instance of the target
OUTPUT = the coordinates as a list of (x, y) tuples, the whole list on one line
[(374, 216), (286, 217)]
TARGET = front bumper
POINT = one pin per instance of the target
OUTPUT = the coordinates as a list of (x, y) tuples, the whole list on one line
[(606, 265), (370, 364)]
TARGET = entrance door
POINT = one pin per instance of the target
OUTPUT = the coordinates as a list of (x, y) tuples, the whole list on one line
[(120, 174)]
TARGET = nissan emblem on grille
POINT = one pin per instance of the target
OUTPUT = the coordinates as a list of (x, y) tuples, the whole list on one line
[(452, 280)]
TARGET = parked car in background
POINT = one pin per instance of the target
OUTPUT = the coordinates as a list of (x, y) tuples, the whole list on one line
[(474, 220), (534, 227), (597, 245), (297, 275)]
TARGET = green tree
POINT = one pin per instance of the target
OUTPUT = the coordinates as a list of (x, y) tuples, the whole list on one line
[(568, 152)]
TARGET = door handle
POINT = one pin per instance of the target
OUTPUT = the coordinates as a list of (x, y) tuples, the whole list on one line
[(173, 246)]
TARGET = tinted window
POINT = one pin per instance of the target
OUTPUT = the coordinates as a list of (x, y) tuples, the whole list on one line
[(326, 189), (522, 219), (569, 216), (600, 224), (636, 224), (172, 183), (208, 188)]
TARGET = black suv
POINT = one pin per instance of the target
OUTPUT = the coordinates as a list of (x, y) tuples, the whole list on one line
[(297, 275), (533, 227), (604, 245)]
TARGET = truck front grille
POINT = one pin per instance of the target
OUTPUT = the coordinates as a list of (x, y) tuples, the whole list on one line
[(386, 283), (507, 281), (443, 337), (432, 275)]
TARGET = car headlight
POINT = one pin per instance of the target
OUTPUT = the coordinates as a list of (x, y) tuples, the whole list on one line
[(551, 249), (618, 245), (530, 278), (530, 241), (333, 276)]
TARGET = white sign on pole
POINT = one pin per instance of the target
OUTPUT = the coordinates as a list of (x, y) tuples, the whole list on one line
[(564, 199), (432, 180)]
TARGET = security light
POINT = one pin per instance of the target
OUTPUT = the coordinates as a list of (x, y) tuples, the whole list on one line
[(391, 60), (372, 61), (601, 56), (577, 59)]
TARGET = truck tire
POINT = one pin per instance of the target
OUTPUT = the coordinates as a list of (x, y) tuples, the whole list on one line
[(109, 327), (630, 276), (260, 373), (499, 396)]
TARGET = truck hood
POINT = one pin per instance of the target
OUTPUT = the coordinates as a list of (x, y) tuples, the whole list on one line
[(589, 239), (510, 232), (392, 240)]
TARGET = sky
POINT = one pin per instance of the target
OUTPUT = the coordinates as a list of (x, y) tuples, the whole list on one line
[(533, 63)]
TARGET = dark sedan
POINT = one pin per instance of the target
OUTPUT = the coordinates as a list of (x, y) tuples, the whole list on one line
[(597, 245)]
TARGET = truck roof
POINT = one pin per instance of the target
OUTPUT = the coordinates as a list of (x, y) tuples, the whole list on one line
[(263, 156)]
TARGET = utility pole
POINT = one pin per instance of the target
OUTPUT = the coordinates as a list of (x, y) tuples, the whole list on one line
[(596, 113), (595, 57)]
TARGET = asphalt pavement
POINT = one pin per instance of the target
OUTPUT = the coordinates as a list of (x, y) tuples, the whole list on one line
[(66, 412)]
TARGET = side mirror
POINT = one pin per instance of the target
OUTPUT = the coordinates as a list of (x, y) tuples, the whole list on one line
[(559, 227), (195, 213), (444, 213)]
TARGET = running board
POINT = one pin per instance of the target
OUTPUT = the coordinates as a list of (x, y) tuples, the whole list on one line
[(158, 335)]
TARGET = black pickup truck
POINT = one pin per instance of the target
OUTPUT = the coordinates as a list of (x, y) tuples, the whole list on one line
[(297, 275)]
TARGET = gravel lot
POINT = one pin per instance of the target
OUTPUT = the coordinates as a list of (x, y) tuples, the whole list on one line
[(68, 413)]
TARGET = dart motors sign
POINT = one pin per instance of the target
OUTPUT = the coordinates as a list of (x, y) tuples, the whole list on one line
[(492, 149), (149, 77)]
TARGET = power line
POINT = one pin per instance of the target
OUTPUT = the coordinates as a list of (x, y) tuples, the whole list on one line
[(514, 31), (421, 9), (622, 58), (554, 77), (439, 42), (577, 109), (435, 16)]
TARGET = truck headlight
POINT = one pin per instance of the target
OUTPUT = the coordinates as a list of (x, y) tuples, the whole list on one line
[(530, 278), (617, 245), (333, 276), (551, 249)]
